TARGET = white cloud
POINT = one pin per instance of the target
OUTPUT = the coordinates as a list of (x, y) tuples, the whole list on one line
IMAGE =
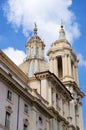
[(82, 61), (15, 55), (47, 14)]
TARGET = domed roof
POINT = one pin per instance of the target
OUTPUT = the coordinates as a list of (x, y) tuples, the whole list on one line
[(35, 61), (30, 67), (35, 38)]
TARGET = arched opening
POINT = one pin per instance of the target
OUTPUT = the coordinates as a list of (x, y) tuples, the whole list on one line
[(60, 67)]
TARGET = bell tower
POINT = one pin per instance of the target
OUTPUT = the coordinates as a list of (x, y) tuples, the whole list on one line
[(63, 61), (64, 64)]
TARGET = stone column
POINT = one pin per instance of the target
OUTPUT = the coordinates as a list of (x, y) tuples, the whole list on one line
[(56, 66), (72, 112), (55, 124), (80, 116), (76, 71), (69, 66), (63, 65), (66, 65), (44, 89), (47, 124), (49, 95), (54, 99)]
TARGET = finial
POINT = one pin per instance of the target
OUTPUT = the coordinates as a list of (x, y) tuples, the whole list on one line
[(62, 31), (35, 29), (61, 23)]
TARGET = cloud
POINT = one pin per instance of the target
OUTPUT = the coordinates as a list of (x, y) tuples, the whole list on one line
[(82, 61), (15, 55), (47, 14)]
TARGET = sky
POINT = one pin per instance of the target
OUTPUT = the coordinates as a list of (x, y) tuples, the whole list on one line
[(17, 18)]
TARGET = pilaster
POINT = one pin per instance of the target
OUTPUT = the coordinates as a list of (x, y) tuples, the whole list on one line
[(69, 65), (63, 65), (66, 65), (49, 96), (51, 65), (33, 118), (56, 66), (80, 116)]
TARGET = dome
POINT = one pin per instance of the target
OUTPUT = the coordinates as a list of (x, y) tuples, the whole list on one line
[(30, 67), (35, 39), (35, 61)]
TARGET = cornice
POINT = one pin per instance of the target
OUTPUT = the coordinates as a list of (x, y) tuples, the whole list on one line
[(75, 87), (58, 116), (51, 77), (41, 107), (72, 127), (13, 67)]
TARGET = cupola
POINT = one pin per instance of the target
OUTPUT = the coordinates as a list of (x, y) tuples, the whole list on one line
[(35, 60)]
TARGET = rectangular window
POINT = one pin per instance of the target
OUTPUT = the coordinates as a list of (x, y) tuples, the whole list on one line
[(25, 108), (9, 95), (25, 127), (7, 120)]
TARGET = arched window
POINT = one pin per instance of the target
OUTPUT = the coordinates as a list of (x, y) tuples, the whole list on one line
[(40, 120), (25, 124), (8, 116), (59, 67)]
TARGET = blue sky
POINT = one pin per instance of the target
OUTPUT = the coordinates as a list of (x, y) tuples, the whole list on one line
[(17, 22)]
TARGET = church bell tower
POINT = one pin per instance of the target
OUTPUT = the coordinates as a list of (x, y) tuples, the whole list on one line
[(63, 61), (64, 64)]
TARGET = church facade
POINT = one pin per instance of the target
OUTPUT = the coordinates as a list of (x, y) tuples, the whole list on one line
[(41, 95)]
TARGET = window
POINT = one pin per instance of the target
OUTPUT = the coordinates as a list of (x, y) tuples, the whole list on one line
[(25, 108), (25, 127), (40, 120), (57, 100), (63, 104), (60, 67), (7, 120), (9, 95)]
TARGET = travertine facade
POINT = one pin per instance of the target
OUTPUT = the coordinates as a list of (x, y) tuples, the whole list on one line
[(39, 95)]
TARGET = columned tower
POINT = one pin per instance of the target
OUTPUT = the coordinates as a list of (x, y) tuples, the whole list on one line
[(64, 64), (63, 61)]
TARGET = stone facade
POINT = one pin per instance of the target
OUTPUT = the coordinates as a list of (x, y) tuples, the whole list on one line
[(39, 95)]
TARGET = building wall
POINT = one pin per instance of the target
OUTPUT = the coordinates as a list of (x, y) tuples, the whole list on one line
[(18, 118)]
